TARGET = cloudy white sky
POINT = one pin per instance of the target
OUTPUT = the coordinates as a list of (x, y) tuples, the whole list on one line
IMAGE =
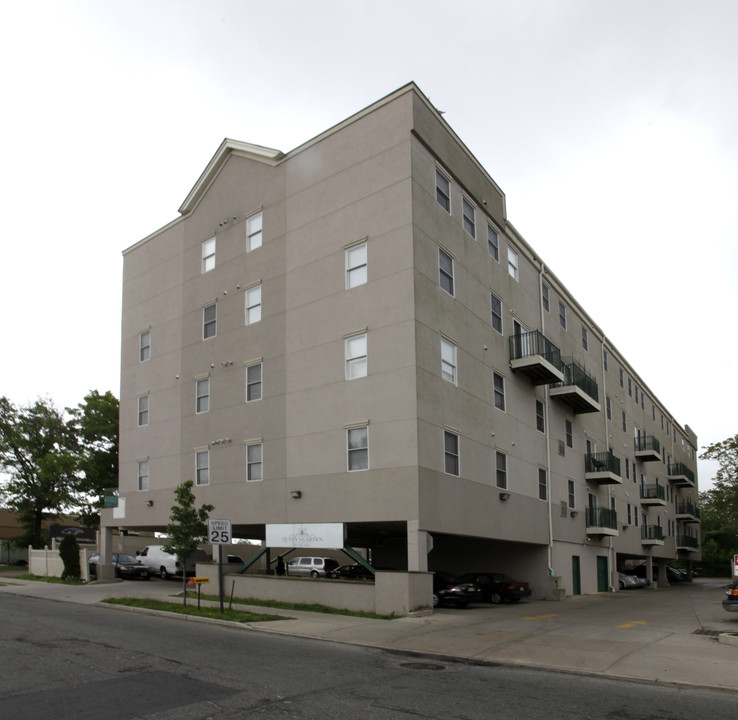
[(607, 124)]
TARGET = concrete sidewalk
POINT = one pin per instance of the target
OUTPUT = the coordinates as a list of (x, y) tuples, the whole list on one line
[(666, 635)]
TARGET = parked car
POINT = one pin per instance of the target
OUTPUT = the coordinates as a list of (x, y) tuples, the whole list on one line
[(628, 582), (313, 566), (126, 566), (498, 587), (164, 564), (673, 575), (450, 590), (730, 601), (351, 572)]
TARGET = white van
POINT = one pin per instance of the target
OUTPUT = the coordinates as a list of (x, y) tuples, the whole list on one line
[(165, 564)]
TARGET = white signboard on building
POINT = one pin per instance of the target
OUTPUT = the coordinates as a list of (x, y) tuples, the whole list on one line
[(325, 536)]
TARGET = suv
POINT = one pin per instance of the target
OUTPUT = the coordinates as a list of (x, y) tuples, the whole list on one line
[(313, 566), (164, 564), (498, 587)]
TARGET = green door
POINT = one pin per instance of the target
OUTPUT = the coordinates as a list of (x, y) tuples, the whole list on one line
[(602, 583), (576, 575)]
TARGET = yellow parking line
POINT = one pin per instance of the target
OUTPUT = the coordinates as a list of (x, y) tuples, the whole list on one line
[(539, 617), (632, 624)]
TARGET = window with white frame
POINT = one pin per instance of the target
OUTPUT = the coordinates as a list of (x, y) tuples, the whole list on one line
[(208, 255), (357, 448), (562, 315), (496, 307), (253, 382), (501, 470), (493, 243), (499, 390), (253, 305), (470, 220), (571, 496), (448, 361), (254, 462), (446, 271), (202, 467), (202, 395), (356, 356), (544, 297), (143, 410), (253, 232), (356, 266), (604, 358), (540, 417), (512, 263), (585, 338), (209, 321), (450, 453), (443, 191), (143, 475), (608, 406), (542, 484), (144, 346), (569, 427)]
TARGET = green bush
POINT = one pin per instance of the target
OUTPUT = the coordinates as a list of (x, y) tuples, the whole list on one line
[(69, 552)]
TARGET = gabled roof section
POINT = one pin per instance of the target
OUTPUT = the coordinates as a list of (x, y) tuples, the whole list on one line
[(228, 147)]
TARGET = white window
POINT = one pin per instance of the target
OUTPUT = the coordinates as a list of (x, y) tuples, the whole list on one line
[(253, 382), (202, 395), (571, 498), (562, 315), (202, 467), (499, 390), (253, 232), (540, 417), (443, 191), (470, 221), (542, 484), (585, 338), (144, 346), (501, 470), (493, 243), (254, 466), (496, 305), (253, 305), (544, 297), (143, 410), (450, 453), (446, 271), (448, 361), (209, 321), (143, 474), (357, 448), (356, 356), (208, 255), (512, 263), (356, 266)]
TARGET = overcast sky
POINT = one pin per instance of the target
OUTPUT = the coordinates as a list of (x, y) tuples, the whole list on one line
[(607, 125)]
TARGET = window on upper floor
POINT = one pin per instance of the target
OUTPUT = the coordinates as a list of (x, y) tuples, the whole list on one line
[(470, 218), (512, 263), (443, 191), (143, 410), (208, 255), (608, 407), (544, 297), (604, 358), (445, 271), (202, 467), (253, 305), (357, 448), (585, 338), (254, 462), (562, 315), (356, 356), (356, 266), (448, 361), (450, 453), (630, 387), (253, 382), (542, 484), (209, 321), (144, 346), (540, 417), (569, 433), (202, 395), (621, 378), (493, 243), (496, 305), (571, 498), (254, 232), (625, 422), (499, 390), (501, 470), (143, 475)]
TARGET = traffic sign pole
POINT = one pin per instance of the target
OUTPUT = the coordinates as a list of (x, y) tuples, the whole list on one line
[(220, 575)]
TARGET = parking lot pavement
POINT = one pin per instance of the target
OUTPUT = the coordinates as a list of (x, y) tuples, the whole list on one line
[(669, 635)]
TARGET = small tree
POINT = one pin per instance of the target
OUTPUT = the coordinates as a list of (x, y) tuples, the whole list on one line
[(69, 553), (187, 526)]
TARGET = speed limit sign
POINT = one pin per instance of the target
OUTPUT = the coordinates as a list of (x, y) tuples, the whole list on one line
[(219, 532)]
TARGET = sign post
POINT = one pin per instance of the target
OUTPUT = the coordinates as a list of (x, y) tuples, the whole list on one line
[(220, 533), (735, 566)]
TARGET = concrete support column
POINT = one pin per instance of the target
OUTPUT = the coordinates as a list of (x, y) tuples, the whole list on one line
[(105, 568), (419, 544), (662, 581)]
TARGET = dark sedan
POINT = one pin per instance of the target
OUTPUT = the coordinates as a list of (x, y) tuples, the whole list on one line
[(498, 587), (351, 572), (126, 566), (730, 601), (449, 590)]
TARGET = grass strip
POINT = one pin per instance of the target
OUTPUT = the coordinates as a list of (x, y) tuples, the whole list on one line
[(240, 616), (43, 578)]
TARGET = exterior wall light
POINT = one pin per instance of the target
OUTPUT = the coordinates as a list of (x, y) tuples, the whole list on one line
[(574, 513), (504, 496), (149, 503), (296, 494)]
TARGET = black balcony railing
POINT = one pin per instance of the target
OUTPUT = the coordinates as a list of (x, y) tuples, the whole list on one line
[(653, 492), (602, 517), (602, 462), (689, 541), (652, 532), (647, 442), (680, 469), (684, 507), (575, 374), (534, 342)]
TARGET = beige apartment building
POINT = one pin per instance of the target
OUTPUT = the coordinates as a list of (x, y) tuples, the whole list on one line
[(353, 332)]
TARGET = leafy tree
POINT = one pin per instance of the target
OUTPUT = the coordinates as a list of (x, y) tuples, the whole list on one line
[(95, 421), (38, 451), (187, 526), (69, 553), (719, 509)]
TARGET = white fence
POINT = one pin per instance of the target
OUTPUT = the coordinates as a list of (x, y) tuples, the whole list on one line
[(48, 562)]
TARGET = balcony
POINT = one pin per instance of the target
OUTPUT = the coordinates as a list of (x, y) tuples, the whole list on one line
[(647, 448), (601, 521), (687, 512), (687, 543), (680, 475), (579, 388), (652, 535), (533, 354), (602, 468), (653, 495)]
